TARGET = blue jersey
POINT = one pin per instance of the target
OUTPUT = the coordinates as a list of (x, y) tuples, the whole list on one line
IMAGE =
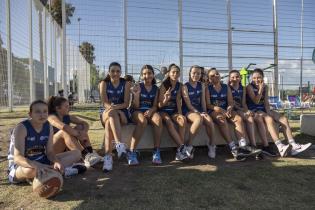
[(237, 95), (35, 144), (65, 120), (171, 106), (219, 98), (253, 106), (147, 98), (195, 95), (116, 95)]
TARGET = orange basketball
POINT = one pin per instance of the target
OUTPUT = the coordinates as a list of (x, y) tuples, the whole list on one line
[(48, 184)]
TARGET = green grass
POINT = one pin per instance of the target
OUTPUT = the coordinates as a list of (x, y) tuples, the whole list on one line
[(278, 183)]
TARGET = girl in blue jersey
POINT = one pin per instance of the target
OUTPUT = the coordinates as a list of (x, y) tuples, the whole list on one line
[(240, 107), (67, 137), (170, 104), (115, 95), (195, 110), (220, 105), (144, 111), (31, 148), (257, 102)]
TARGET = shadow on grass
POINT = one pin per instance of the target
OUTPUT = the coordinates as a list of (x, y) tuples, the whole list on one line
[(196, 184)]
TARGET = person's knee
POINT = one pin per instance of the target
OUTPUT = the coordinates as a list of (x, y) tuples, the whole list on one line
[(142, 121), (268, 119), (28, 172), (156, 119), (181, 120)]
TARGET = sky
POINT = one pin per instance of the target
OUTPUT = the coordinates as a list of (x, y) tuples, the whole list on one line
[(152, 33)]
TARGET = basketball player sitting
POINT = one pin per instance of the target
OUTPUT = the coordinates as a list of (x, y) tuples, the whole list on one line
[(31, 150)]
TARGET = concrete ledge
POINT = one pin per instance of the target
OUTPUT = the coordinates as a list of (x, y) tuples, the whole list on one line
[(201, 139), (307, 122)]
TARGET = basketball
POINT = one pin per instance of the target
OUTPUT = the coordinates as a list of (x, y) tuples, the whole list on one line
[(48, 184)]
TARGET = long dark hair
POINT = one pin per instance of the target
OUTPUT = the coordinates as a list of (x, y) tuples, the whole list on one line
[(36, 102), (167, 82), (151, 69), (107, 78), (54, 102), (259, 71), (194, 67)]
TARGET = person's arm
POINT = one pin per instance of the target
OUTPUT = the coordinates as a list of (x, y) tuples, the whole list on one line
[(19, 150), (51, 154), (179, 99), (76, 120), (251, 94), (126, 98), (136, 90), (230, 101), (244, 105), (186, 98), (266, 102), (164, 96), (54, 121), (203, 98), (103, 95)]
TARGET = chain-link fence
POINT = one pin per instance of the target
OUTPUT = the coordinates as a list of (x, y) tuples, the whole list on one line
[(36, 49), (222, 34)]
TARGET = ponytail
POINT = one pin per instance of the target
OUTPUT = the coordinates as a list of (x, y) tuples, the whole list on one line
[(53, 102)]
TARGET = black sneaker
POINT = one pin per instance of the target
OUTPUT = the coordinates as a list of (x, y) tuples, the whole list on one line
[(237, 155), (253, 150), (259, 156), (244, 152), (268, 151)]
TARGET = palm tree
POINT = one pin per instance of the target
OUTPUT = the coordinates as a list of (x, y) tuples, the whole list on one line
[(56, 11)]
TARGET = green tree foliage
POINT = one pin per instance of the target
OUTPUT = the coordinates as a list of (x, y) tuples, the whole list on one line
[(87, 51), (56, 11)]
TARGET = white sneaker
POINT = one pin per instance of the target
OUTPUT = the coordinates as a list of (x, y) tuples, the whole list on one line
[(76, 168), (69, 171), (211, 151), (284, 149), (189, 151), (121, 149), (108, 163), (298, 148), (91, 159)]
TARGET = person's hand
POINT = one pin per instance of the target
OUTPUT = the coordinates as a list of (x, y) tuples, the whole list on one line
[(261, 86), (218, 109), (228, 112), (167, 95), (249, 113), (203, 114), (136, 90), (59, 167), (148, 113)]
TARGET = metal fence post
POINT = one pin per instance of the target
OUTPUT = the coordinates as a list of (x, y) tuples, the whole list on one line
[(31, 66), (275, 47), (64, 49), (125, 36), (229, 25), (180, 32), (9, 57), (46, 94), (302, 52)]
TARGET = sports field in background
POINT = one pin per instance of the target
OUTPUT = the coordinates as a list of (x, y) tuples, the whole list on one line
[(273, 183)]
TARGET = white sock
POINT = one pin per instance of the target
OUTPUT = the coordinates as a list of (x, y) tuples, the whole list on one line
[(242, 142), (291, 141)]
